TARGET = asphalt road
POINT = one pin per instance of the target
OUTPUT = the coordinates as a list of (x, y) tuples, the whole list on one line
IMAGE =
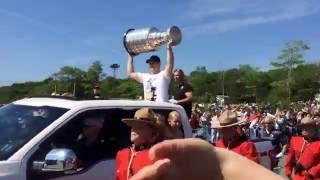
[(281, 165)]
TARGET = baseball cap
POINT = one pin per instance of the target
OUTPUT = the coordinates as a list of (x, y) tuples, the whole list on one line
[(153, 58)]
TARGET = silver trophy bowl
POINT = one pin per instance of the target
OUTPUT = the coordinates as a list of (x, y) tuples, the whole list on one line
[(137, 41)]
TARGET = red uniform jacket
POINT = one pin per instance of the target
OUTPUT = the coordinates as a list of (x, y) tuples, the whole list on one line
[(244, 148), (138, 160), (307, 156)]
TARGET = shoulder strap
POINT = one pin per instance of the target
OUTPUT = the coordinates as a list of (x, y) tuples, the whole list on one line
[(132, 155)]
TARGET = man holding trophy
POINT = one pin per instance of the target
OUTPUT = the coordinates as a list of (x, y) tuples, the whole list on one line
[(156, 83)]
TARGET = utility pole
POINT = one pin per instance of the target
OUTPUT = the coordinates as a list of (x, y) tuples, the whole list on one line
[(255, 93), (55, 80), (222, 83), (55, 89), (289, 73), (74, 89)]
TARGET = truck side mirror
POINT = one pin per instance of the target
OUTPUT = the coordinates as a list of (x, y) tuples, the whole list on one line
[(57, 160)]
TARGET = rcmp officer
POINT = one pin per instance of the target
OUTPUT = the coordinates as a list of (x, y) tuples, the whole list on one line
[(304, 152), (232, 136), (145, 132)]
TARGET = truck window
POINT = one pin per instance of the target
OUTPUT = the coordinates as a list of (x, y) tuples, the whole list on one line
[(20, 123)]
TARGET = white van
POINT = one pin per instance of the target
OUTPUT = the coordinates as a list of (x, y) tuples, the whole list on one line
[(36, 136)]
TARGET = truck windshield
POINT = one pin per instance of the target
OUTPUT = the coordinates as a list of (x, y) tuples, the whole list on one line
[(20, 123)]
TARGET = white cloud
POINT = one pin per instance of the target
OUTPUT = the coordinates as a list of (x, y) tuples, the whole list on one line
[(214, 16)]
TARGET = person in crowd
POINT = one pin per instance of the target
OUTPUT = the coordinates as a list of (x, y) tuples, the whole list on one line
[(183, 92), (300, 116), (90, 147), (205, 121), (145, 132), (233, 138), (280, 121), (156, 83), (227, 107), (276, 138), (316, 117), (67, 94), (96, 92), (199, 108), (254, 117), (194, 120), (162, 124), (241, 111), (173, 130), (215, 135), (291, 123), (193, 159), (281, 125), (304, 152)]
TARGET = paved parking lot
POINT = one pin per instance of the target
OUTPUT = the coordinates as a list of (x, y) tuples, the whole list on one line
[(281, 165)]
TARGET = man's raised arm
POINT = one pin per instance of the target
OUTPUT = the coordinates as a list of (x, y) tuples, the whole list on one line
[(130, 68), (170, 59)]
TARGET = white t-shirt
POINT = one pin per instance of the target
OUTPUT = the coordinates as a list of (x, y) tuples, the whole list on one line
[(160, 82)]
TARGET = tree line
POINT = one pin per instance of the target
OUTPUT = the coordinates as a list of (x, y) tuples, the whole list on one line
[(290, 80)]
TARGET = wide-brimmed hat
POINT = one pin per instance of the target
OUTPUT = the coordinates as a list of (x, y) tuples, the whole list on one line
[(143, 115), (228, 119)]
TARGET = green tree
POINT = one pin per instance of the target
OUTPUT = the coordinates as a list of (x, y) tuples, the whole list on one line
[(94, 76), (245, 81), (307, 81), (290, 57), (68, 79), (95, 72), (202, 84)]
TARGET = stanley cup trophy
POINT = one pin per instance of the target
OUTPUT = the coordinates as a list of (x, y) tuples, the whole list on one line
[(137, 41)]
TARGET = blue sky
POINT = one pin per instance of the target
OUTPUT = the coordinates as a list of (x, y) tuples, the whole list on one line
[(38, 37)]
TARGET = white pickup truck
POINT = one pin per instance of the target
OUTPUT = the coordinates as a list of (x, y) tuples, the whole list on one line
[(36, 134)]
